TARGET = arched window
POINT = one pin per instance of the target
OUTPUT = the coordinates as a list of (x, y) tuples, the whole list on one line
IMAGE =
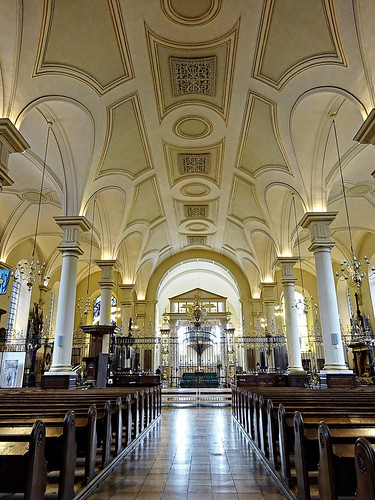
[(19, 307), (14, 296), (96, 310), (302, 321)]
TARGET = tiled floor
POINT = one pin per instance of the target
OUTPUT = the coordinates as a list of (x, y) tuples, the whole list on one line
[(192, 453)]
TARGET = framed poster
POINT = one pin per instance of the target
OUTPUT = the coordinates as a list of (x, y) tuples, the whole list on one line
[(10, 372), (4, 280), (12, 368)]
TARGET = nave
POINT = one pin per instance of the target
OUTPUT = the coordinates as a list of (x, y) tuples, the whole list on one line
[(191, 453)]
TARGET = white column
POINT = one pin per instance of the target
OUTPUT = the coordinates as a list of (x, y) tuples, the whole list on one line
[(318, 224), (291, 323), (72, 227), (269, 300), (127, 311), (106, 286), (173, 352), (268, 297)]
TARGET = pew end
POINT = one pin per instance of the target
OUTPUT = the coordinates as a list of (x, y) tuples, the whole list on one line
[(23, 466), (364, 455)]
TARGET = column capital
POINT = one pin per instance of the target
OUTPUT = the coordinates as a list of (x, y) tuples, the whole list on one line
[(257, 306), (105, 263), (107, 267), (73, 227), (366, 132), (127, 291), (268, 291), (11, 141), (318, 224), (286, 265)]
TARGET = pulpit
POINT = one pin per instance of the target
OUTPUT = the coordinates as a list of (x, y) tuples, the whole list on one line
[(97, 361)]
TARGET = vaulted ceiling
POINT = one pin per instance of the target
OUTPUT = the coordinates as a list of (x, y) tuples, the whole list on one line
[(180, 125)]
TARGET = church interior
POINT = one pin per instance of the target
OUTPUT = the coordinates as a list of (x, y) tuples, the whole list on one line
[(186, 190)]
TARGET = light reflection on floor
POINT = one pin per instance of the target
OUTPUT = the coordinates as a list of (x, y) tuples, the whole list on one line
[(192, 453)]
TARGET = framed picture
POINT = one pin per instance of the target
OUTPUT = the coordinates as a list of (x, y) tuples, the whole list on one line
[(12, 368), (4, 280), (10, 373)]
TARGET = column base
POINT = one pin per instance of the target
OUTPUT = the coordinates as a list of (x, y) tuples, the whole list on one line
[(336, 368), (297, 379), (337, 378), (296, 370), (59, 380)]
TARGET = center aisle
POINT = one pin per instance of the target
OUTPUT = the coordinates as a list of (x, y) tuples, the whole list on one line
[(191, 453)]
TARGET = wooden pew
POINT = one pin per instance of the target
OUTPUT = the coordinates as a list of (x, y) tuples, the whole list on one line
[(262, 427), (285, 446), (114, 424), (271, 436), (336, 475), (306, 458), (365, 469), (350, 414), (62, 436), (22, 464)]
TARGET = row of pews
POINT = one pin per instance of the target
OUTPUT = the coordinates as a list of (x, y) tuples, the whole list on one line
[(60, 443), (316, 443)]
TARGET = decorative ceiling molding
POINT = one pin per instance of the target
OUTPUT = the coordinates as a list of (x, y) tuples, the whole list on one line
[(260, 144), (191, 216), (158, 239), (244, 205), (235, 238), (194, 162), (163, 51), (191, 76), (146, 213), (35, 197), (198, 226), (192, 127), (195, 211), (63, 43), (197, 240), (192, 13), (195, 190), (275, 63), (125, 153)]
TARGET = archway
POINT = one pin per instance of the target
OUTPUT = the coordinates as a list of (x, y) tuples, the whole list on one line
[(214, 276)]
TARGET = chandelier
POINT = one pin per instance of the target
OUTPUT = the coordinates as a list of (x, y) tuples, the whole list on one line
[(351, 270), (198, 334), (197, 312), (33, 271)]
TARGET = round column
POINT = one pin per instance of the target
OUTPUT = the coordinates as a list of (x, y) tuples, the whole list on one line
[(269, 300), (318, 224), (106, 287), (291, 323), (72, 227)]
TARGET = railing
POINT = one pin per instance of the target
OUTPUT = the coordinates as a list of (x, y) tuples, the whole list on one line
[(196, 397)]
